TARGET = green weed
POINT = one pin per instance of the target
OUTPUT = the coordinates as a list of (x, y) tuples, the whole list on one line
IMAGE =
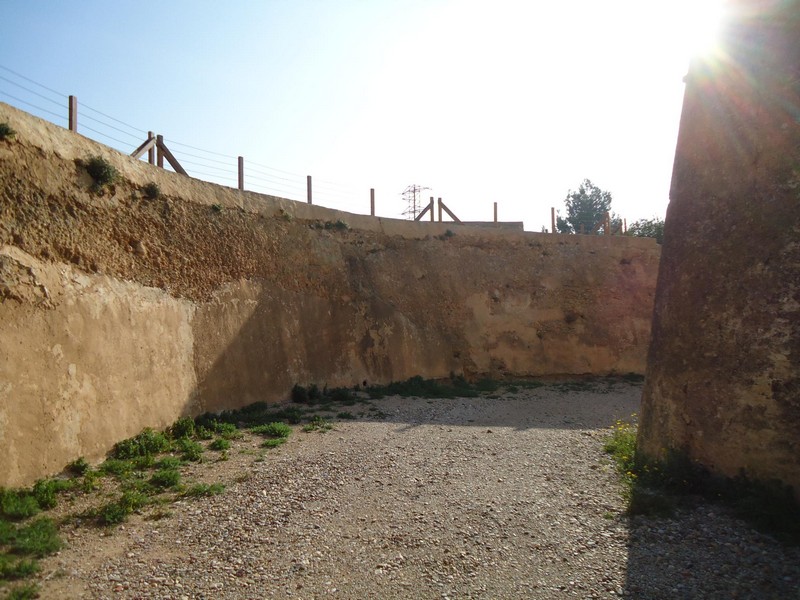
[(273, 442), (345, 415), (18, 504), (147, 442), (273, 430), (189, 449), (165, 478), (219, 444), (318, 424), (204, 490), (151, 191), (39, 538), (183, 427), (168, 462), (24, 592), (101, 171), (79, 466), (6, 132)]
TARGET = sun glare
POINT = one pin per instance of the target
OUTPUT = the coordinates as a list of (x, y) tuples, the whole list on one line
[(702, 26)]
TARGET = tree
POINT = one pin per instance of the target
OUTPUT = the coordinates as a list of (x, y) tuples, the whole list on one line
[(652, 228), (588, 207)]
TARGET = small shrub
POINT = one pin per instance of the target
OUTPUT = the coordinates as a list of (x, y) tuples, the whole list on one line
[(314, 393), (204, 489), (40, 538), (151, 191), (217, 208), (147, 442), (112, 514), (20, 568), (141, 463), (24, 592), (116, 467), (299, 394), (342, 395), (7, 532), (18, 504), (6, 131), (166, 478), (79, 466), (318, 424), (101, 171), (132, 500), (45, 491), (228, 431), (89, 482), (183, 427), (273, 430), (168, 462), (345, 415), (190, 450), (219, 444)]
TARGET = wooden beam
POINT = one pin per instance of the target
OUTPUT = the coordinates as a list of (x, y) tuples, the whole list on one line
[(425, 210), (448, 211), (308, 188), (372, 202), (151, 153), (147, 146), (241, 172), (553, 219), (165, 153)]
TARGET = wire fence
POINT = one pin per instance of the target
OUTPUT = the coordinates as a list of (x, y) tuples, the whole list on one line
[(208, 165)]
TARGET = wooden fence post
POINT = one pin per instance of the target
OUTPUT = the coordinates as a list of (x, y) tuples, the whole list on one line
[(151, 152), (372, 202), (308, 188), (440, 208), (73, 114), (160, 151), (495, 212), (241, 172), (553, 219)]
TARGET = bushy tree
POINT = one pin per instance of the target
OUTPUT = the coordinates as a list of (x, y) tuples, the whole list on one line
[(652, 228), (586, 207)]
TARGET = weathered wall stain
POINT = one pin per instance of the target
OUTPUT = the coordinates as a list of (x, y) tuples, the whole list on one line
[(167, 306)]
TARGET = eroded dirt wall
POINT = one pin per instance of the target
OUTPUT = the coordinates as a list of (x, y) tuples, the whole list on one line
[(723, 379), (250, 295)]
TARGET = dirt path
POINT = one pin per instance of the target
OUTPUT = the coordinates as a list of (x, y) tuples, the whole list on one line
[(463, 498)]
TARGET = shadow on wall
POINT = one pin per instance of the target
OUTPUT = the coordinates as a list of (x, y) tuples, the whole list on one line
[(254, 342)]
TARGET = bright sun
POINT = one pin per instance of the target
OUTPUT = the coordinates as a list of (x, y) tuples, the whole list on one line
[(702, 24)]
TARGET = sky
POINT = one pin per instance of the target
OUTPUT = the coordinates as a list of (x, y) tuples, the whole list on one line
[(507, 101)]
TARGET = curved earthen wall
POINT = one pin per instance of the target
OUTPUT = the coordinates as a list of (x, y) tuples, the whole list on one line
[(119, 312), (723, 376)]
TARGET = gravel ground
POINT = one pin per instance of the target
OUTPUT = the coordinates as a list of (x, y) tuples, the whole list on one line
[(462, 498)]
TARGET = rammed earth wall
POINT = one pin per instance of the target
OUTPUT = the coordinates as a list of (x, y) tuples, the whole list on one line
[(120, 312), (723, 379)]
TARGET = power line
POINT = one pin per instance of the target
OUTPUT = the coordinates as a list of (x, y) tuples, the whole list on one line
[(59, 103), (32, 81), (199, 149), (49, 112)]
